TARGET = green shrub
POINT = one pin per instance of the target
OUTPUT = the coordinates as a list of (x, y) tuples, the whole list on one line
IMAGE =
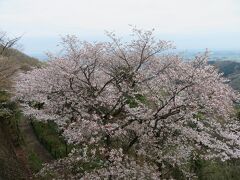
[(51, 138)]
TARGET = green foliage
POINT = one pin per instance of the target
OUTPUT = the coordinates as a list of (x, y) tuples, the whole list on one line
[(10, 117), (131, 102), (34, 161), (217, 170), (199, 116), (51, 138), (4, 96), (134, 101), (36, 105), (88, 166)]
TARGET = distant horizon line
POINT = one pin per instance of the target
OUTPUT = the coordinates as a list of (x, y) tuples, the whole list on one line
[(215, 53), (177, 49)]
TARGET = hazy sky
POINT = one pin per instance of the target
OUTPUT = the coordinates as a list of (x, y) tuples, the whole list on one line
[(192, 24)]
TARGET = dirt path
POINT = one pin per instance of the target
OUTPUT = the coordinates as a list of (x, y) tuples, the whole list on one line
[(12, 158), (32, 142)]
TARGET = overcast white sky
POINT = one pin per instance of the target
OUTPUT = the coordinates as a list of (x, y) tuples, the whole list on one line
[(192, 24)]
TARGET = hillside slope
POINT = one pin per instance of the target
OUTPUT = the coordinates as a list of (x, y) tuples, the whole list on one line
[(13, 159), (15, 61), (231, 70)]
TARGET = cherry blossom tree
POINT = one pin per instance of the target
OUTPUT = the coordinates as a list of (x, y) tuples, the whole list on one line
[(135, 109)]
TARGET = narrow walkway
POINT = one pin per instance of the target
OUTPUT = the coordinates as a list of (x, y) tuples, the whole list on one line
[(32, 142)]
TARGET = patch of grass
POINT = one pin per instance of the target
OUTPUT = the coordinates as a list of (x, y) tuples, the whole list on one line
[(34, 162)]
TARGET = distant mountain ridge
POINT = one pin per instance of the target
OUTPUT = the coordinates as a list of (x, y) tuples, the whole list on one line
[(217, 55)]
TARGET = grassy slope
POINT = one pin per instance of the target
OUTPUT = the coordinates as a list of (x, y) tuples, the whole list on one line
[(13, 63)]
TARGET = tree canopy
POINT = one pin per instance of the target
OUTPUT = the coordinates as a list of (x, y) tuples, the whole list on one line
[(134, 109)]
